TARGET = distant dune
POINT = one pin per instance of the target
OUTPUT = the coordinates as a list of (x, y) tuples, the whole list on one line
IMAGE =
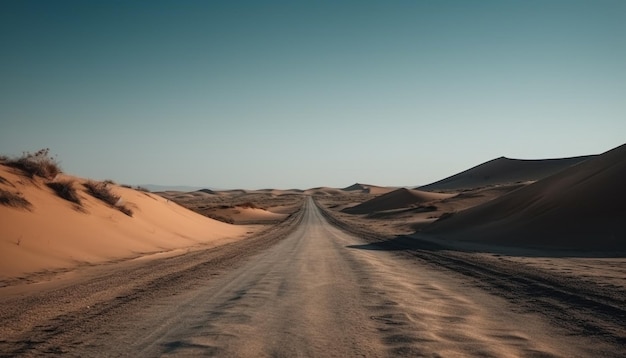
[(369, 189), (247, 214), (399, 198), (504, 171), (53, 233), (580, 208), (323, 191)]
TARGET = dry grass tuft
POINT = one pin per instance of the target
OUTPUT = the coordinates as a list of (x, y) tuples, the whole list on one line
[(101, 190), (65, 189), (39, 164), (15, 200)]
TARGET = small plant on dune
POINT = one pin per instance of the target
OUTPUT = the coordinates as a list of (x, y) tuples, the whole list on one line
[(101, 190), (15, 200), (141, 188), (126, 210), (39, 163), (65, 189)]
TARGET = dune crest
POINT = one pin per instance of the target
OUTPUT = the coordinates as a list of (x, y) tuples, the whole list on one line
[(368, 189), (504, 171)]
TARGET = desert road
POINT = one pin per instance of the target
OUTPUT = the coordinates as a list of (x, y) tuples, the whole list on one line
[(310, 291)]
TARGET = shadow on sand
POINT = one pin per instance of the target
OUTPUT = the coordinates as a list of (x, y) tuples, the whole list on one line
[(417, 243)]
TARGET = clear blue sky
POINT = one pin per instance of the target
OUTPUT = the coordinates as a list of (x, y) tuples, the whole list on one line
[(299, 94)]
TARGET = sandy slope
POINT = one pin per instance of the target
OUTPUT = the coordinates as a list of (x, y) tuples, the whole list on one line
[(57, 234), (399, 198), (504, 171), (246, 214), (583, 207)]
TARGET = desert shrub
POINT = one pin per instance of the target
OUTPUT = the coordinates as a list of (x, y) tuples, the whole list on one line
[(65, 189), (126, 210), (141, 188), (127, 186), (101, 190), (15, 200), (108, 181), (39, 163)]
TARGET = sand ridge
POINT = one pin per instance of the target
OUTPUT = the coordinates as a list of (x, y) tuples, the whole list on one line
[(504, 171)]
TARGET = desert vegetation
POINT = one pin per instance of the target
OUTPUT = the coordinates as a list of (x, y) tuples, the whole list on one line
[(102, 191), (40, 163), (66, 190), (15, 200)]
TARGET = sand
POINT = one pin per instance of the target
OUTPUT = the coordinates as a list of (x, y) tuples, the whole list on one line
[(504, 171), (399, 198), (580, 208), (56, 234), (369, 189)]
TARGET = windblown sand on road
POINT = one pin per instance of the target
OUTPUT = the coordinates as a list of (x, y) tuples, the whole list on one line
[(57, 234)]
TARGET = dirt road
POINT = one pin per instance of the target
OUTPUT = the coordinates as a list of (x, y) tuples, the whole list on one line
[(314, 292)]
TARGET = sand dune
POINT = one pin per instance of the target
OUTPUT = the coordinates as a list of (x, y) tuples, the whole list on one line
[(369, 189), (55, 233), (582, 207), (323, 191), (276, 192), (399, 198), (246, 214), (504, 171)]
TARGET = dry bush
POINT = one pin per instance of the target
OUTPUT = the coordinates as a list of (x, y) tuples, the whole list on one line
[(100, 190), (15, 200), (39, 163), (126, 210), (65, 189)]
